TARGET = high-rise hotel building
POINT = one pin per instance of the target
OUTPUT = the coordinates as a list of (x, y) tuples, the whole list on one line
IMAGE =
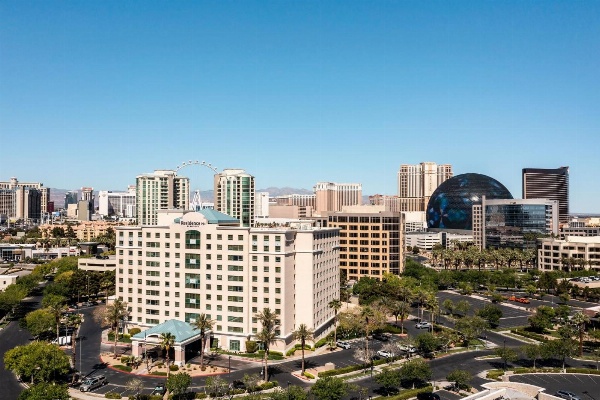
[(161, 190), (234, 193), (551, 184), (330, 196), (24, 191), (416, 183), (204, 262)]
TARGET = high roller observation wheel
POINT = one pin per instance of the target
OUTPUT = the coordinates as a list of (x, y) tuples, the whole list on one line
[(201, 163)]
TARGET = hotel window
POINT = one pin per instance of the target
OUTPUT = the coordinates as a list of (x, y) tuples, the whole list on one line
[(192, 261), (192, 300), (192, 239)]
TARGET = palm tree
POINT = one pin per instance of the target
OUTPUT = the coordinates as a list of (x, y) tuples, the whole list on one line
[(114, 314), (267, 335), (74, 321), (402, 311), (203, 324), (336, 305), (580, 319), (303, 333), (422, 298), (167, 341), (367, 314), (56, 305)]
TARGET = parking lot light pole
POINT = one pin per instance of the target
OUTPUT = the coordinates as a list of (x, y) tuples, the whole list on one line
[(229, 371)]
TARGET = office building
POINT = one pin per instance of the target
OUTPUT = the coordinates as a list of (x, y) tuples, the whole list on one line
[(551, 184), (161, 190), (234, 195), (416, 183), (569, 254), (331, 197), (304, 200), (371, 241), (120, 204), (204, 262), (427, 240), (513, 223), (71, 197)]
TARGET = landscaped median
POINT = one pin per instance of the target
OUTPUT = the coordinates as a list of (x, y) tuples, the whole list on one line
[(495, 374)]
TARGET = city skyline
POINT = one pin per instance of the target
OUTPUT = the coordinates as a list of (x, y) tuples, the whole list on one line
[(97, 93)]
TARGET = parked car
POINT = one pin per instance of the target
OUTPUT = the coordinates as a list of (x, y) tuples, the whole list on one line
[(423, 325), (343, 345), (92, 383), (237, 384), (159, 390), (385, 354), (428, 396), (407, 349), (381, 336), (563, 394)]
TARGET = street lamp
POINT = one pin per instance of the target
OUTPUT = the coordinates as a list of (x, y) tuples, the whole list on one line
[(229, 372), (504, 353)]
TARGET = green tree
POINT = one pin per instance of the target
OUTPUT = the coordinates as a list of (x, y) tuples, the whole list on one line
[(303, 333), (114, 314), (335, 305), (506, 354), (37, 361), (448, 304), (400, 309), (559, 349), (532, 351), (39, 322), (542, 319), (167, 341), (388, 379), (329, 388), (460, 377), (179, 383), (462, 307), (56, 306), (471, 327), (414, 372), (203, 324), (491, 313), (267, 335), (292, 392), (45, 391), (562, 312), (427, 342)]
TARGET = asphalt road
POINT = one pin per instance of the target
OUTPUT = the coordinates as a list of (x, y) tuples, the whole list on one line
[(587, 387), (10, 337)]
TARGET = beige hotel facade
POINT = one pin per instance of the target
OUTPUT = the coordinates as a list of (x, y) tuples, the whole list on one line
[(195, 262)]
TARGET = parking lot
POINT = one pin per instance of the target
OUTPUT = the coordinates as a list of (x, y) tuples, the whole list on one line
[(585, 386), (511, 316)]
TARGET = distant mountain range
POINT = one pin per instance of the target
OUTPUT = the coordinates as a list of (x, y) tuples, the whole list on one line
[(58, 195)]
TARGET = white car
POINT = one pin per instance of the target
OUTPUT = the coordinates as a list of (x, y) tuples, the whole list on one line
[(423, 325), (407, 349), (385, 354), (342, 344)]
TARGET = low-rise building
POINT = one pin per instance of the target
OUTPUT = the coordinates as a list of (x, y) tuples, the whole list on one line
[(569, 254), (6, 281), (98, 264)]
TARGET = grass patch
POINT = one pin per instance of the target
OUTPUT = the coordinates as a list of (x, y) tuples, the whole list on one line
[(409, 393), (158, 373), (122, 367)]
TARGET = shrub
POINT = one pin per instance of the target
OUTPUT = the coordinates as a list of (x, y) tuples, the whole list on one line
[(392, 329), (495, 374), (112, 395), (407, 394), (200, 396), (124, 359), (290, 352), (158, 373), (344, 370), (173, 368), (251, 346), (309, 375), (134, 331), (321, 343), (121, 367), (268, 385)]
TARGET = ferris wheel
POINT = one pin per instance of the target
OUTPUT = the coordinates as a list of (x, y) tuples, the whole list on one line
[(196, 201)]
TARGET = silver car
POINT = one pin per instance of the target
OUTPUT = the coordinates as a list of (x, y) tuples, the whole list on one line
[(92, 383)]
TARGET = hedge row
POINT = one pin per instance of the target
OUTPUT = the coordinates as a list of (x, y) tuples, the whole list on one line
[(495, 374), (410, 393)]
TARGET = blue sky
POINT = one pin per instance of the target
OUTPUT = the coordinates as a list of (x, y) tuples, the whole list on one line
[(296, 92)]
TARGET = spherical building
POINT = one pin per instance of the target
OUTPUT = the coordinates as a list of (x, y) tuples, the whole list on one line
[(450, 206)]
